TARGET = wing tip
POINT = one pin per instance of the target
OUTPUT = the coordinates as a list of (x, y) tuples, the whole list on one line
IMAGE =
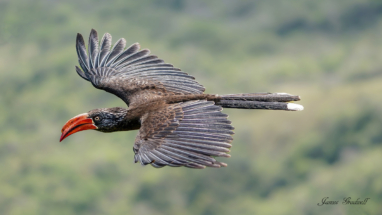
[(107, 36), (123, 41), (80, 39), (93, 31), (137, 45), (221, 164), (93, 35), (81, 73)]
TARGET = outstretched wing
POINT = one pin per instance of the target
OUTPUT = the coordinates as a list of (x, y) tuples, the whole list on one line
[(132, 74), (186, 134)]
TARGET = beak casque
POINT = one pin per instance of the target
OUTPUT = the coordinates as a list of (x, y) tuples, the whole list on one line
[(78, 123)]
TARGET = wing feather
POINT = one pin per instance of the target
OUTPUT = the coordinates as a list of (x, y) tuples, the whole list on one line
[(131, 58), (126, 54), (81, 73), (104, 50), (93, 49), (168, 138), (129, 73), (81, 52), (116, 51)]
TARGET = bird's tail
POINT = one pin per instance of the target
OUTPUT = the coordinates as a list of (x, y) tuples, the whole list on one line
[(270, 101)]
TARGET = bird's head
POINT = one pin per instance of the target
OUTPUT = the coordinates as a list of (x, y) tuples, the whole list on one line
[(104, 120)]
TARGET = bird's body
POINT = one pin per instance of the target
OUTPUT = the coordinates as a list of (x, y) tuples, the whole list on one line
[(178, 124)]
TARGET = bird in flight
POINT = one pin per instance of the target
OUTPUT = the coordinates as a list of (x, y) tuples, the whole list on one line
[(178, 124)]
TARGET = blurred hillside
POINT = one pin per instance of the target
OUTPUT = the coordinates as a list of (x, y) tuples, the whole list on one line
[(329, 52)]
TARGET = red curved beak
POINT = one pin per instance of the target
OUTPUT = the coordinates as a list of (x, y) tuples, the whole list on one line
[(78, 123)]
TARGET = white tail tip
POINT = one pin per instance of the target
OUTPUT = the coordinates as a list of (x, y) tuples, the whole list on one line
[(295, 107)]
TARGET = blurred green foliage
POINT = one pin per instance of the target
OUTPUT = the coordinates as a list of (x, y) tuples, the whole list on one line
[(327, 51)]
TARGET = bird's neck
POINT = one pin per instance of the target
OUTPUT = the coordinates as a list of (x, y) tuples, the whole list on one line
[(129, 122), (123, 120)]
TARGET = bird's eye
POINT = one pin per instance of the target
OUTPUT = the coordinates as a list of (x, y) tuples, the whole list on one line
[(96, 118)]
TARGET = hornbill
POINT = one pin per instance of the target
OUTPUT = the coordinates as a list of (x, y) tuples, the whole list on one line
[(178, 124)]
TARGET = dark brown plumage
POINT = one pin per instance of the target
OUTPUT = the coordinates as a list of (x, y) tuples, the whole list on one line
[(178, 124)]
